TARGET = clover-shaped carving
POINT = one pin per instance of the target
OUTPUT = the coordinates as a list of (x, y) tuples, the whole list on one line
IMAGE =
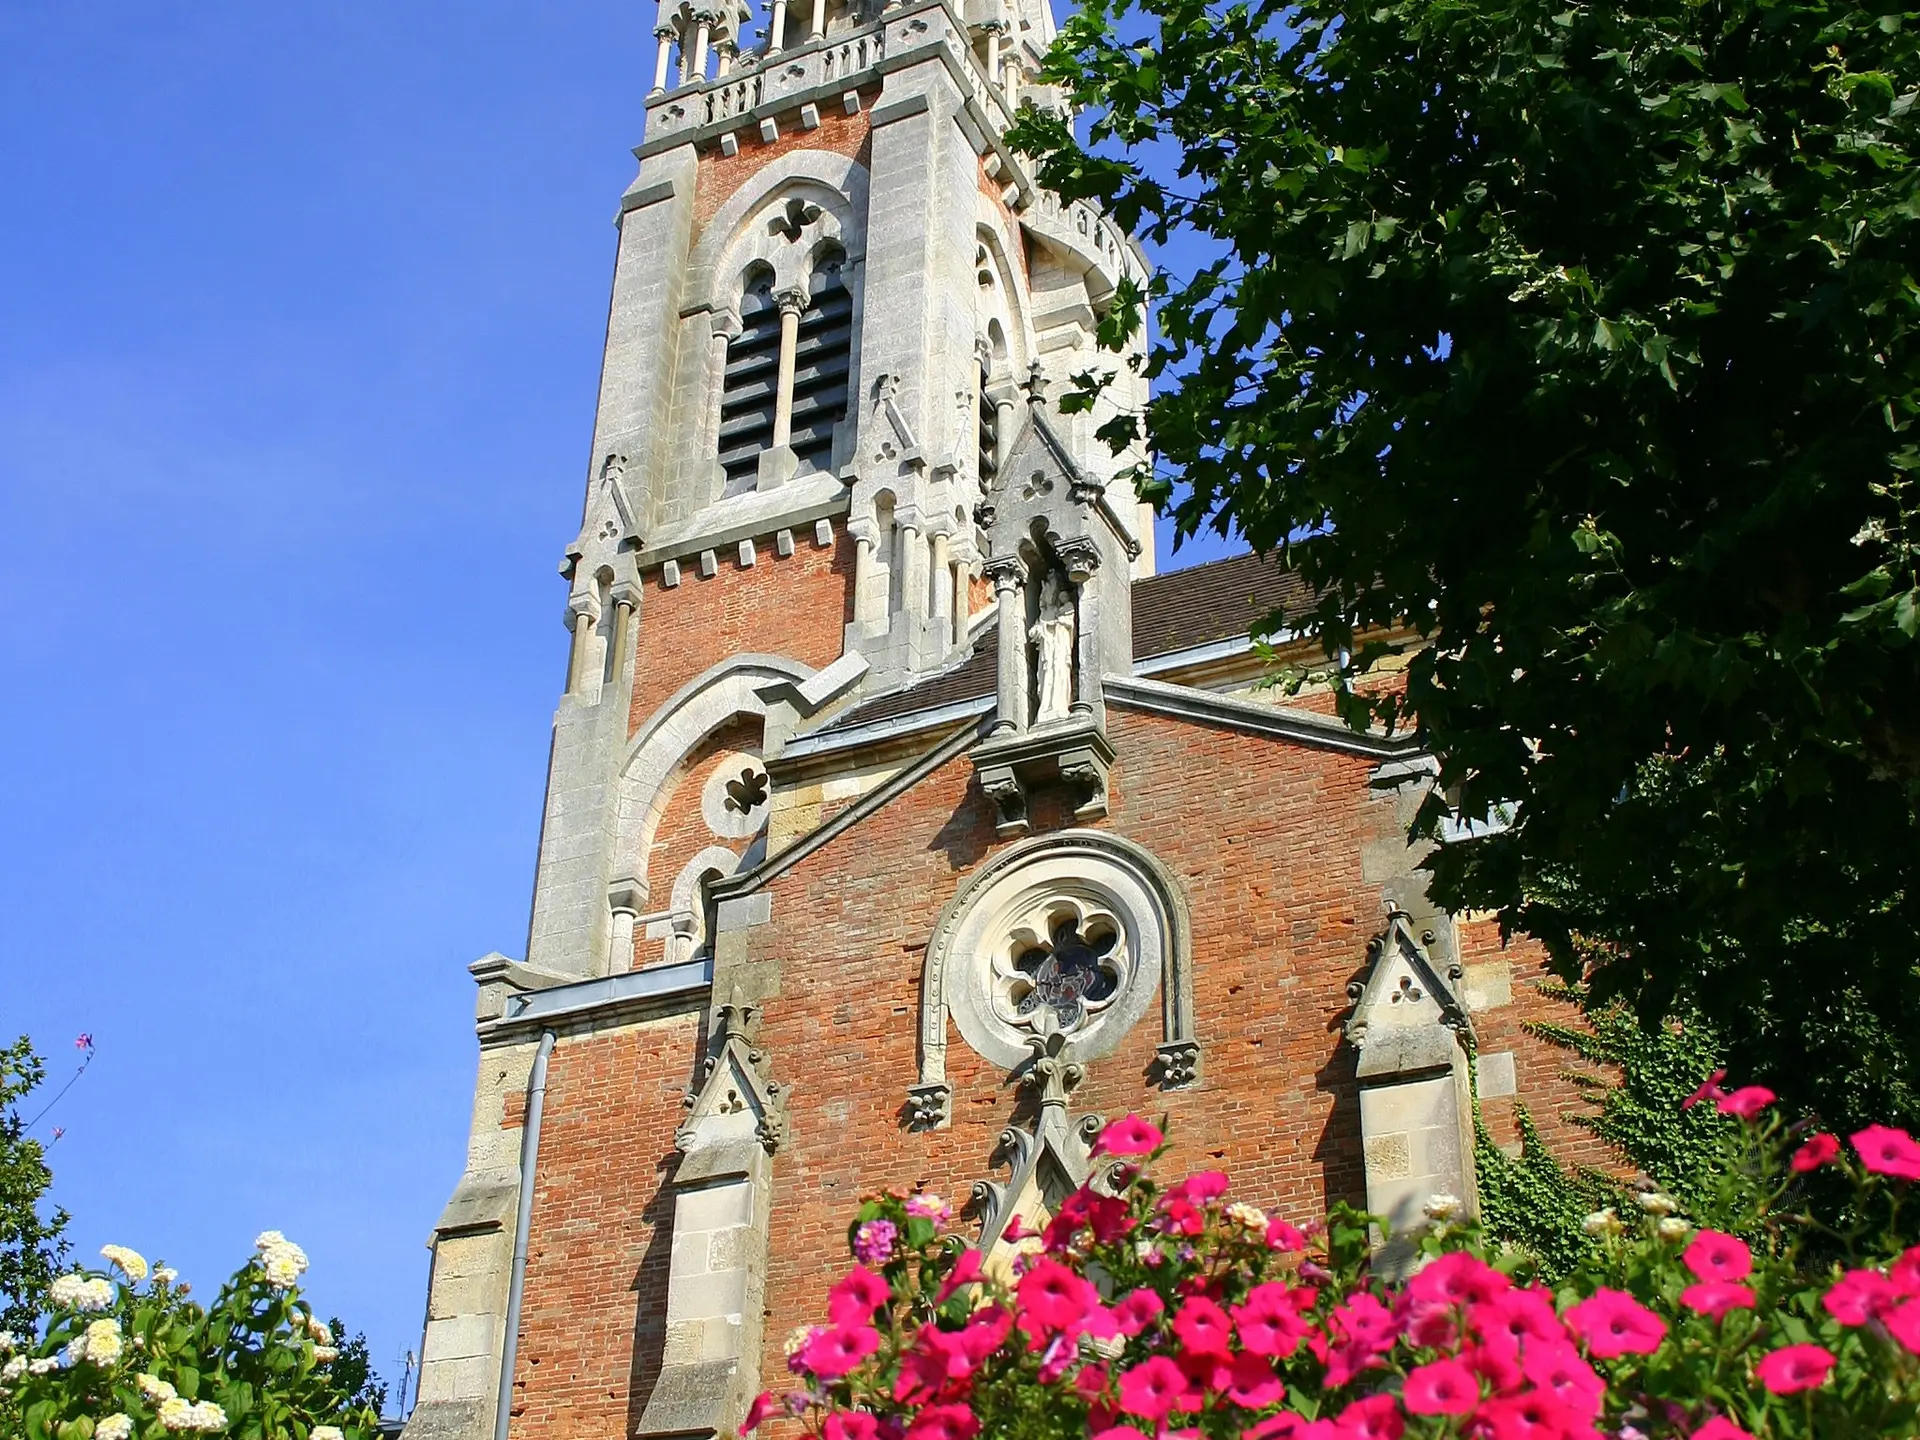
[(747, 793), (797, 216)]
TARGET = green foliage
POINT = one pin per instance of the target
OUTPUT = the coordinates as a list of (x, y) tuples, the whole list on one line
[(128, 1357), (32, 1243), (353, 1371), (1578, 341), (1532, 1202)]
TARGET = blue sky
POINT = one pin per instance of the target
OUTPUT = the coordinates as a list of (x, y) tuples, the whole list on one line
[(299, 337)]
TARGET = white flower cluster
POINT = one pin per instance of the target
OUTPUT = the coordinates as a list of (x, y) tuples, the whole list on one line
[(114, 1427), (326, 1432), (1655, 1203), (131, 1262), (283, 1261), (99, 1344), (153, 1389), (1441, 1207), (81, 1292), (1603, 1222), (205, 1417), (166, 1275), (8, 1342), (14, 1368), (1247, 1217)]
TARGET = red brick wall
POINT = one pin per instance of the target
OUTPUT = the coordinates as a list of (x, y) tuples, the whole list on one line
[(722, 175), (683, 831), (1266, 839), (798, 606), (593, 1316)]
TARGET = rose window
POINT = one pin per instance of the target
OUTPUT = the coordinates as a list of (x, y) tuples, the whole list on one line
[(1059, 967)]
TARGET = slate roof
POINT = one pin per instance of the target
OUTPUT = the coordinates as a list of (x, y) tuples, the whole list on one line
[(1182, 609)]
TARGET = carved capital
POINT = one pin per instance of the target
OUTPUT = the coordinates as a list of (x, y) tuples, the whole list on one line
[(1009, 799), (1007, 572), (791, 299), (666, 30), (1080, 556)]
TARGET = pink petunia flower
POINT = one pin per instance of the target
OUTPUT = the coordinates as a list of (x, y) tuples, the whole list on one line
[(1129, 1136), (1859, 1295), (1456, 1279), (1054, 1297), (1794, 1368), (1269, 1322), (1366, 1323), (966, 1270), (1523, 1314), (1721, 1428), (1252, 1385), (944, 1422), (836, 1349), (1903, 1323), (1497, 1361), (1711, 1255), (854, 1299), (1747, 1102), (1714, 1298), (1374, 1418), (1556, 1368), (1818, 1150), (851, 1425), (764, 1405), (1137, 1310), (1613, 1323), (1119, 1432), (1709, 1090), (1444, 1387), (1285, 1236), (1152, 1388), (1203, 1328), (1887, 1151), (1533, 1415)]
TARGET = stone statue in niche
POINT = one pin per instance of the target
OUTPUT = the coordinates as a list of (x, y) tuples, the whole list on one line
[(1052, 635)]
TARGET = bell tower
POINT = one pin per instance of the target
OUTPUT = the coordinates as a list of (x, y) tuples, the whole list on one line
[(838, 301)]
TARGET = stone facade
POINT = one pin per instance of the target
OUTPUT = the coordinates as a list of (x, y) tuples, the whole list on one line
[(889, 779)]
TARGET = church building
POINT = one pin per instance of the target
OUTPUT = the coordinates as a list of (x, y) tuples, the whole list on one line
[(903, 824)]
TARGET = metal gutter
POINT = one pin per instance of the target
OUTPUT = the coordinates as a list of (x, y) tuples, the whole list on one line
[(522, 1222)]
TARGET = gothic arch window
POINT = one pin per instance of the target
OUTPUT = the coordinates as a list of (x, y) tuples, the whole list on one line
[(823, 355), (752, 377)]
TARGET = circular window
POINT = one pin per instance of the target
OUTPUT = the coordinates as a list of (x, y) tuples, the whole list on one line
[(1067, 932)]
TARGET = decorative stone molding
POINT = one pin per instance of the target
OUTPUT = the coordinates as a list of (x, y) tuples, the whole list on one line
[(1074, 752), (998, 945), (1412, 1033)]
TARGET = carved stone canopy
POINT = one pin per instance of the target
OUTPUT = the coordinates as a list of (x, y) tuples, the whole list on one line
[(1406, 1012)]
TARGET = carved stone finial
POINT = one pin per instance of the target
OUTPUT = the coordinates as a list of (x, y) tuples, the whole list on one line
[(1036, 383), (1053, 1071)]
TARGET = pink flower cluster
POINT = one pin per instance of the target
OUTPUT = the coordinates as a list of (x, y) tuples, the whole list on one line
[(1233, 1314)]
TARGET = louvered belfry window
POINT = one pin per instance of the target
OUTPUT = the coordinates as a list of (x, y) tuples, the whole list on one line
[(821, 361), (747, 394), (820, 364)]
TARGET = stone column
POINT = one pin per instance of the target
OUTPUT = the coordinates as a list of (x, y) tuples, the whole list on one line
[(962, 602), (663, 55), (584, 612), (993, 53), (727, 51), (702, 32), (818, 29), (862, 574), (791, 302), (912, 559), (626, 600), (777, 27), (1008, 574), (941, 601)]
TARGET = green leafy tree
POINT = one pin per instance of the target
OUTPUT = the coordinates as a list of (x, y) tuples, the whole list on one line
[(33, 1248), (353, 1371), (1568, 350)]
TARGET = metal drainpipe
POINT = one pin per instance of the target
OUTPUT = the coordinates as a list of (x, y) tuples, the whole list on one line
[(522, 1221)]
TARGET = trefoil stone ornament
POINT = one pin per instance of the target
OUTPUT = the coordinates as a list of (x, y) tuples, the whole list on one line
[(735, 1102)]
